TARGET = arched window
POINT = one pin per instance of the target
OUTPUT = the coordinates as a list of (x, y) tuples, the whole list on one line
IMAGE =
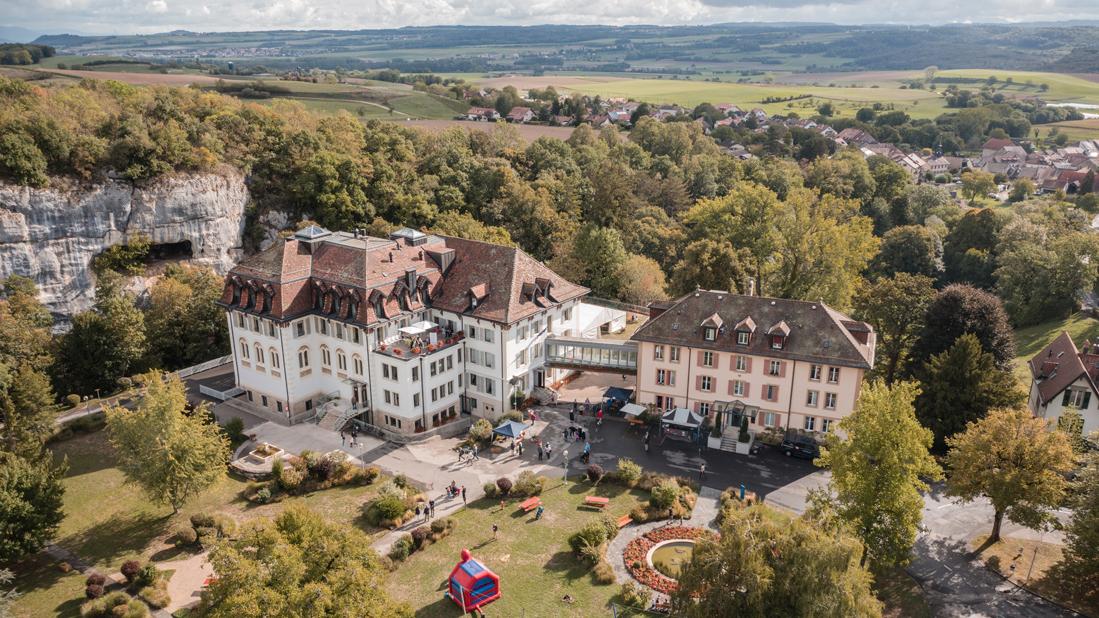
[(341, 360), (274, 358), (357, 364), (326, 356), (303, 357), (244, 353), (259, 355)]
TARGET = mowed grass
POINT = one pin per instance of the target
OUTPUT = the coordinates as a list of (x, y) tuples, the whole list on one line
[(1076, 130), (1030, 340), (108, 521), (532, 558)]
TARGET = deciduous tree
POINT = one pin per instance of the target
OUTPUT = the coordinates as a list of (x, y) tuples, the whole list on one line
[(910, 249), (764, 565), (879, 469), (30, 504), (1079, 569), (960, 309), (896, 308), (298, 565), (1016, 461), (171, 455)]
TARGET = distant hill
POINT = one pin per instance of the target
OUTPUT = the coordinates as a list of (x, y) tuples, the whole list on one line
[(748, 48)]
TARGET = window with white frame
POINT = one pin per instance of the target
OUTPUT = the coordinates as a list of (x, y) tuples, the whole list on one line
[(567, 313), (326, 357), (830, 401), (707, 383), (833, 375), (814, 372), (810, 423), (341, 360), (259, 354), (490, 358), (489, 336), (674, 354), (704, 408), (769, 419), (826, 425), (270, 328), (471, 331), (742, 363), (770, 392), (742, 337), (415, 374), (245, 353), (811, 399), (661, 376), (709, 333), (255, 325), (738, 388), (299, 328), (707, 359), (357, 364), (415, 400), (240, 320), (303, 358), (774, 367), (1077, 398), (658, 352), (274, 358)]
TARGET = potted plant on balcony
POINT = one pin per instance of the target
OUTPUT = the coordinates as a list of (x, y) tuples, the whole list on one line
[(382, 347), (431, 347), (397, 351), (416, 350)]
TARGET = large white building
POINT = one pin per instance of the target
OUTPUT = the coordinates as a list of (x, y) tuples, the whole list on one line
[(404, 333)]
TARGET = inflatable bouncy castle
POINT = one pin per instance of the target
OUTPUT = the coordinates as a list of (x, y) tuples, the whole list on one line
[(472, 585)]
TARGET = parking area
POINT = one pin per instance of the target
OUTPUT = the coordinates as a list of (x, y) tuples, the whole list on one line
[(780, 480)]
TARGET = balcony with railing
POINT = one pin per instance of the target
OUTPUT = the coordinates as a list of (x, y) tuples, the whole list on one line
[(420, 339)]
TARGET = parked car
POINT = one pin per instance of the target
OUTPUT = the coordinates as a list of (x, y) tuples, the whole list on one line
[(800, 445)]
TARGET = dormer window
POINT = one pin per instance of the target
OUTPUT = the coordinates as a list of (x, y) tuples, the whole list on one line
[(778, 334), (709, 333), (742, 337), (777, 341)]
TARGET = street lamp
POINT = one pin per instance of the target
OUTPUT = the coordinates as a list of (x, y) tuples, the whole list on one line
[(566, 464)]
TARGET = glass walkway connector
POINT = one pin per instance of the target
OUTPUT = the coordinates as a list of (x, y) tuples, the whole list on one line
[(591, 354)]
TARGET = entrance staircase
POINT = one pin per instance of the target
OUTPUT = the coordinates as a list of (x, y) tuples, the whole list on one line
[(335, 415)]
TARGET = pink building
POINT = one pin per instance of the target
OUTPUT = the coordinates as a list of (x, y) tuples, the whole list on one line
[(782, 363)]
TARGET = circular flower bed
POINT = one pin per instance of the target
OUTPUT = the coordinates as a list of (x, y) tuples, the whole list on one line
[(636, 555)]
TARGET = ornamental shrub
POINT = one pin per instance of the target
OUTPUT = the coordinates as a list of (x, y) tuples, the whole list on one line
[(505, 484), (401, 549), (93, 591), (130, 569), (490, 490), (628, 472), (665, 494), (419, 535), (595, 473), (528, 484), (95, 579)]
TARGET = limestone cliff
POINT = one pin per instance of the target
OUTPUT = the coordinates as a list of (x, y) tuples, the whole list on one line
[(52, 234)]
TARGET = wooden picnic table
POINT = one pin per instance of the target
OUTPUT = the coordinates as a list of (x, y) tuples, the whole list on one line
[(530, 504), (596, 501)]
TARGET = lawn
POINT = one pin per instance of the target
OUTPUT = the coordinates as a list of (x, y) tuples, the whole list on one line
[(1062, 87), (108, 521), (532, 558), (1030, 340), (1076, 130)]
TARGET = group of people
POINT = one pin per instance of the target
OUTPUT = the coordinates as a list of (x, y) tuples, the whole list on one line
[(467, 452), (545, 449), (354, 436), (453, 491)]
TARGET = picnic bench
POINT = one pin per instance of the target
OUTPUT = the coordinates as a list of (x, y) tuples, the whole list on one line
[(530, 504), (596, 501), (624, 521)]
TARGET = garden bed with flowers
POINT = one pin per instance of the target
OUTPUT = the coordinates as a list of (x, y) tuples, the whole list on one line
[(637, 551)]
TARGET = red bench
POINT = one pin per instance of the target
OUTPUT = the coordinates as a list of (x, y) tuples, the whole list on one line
[(530, 504), (624, 521), (596, 501)]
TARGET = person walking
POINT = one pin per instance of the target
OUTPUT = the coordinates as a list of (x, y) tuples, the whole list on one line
[(702, 471), (343, 438), (495, 531), (431, 507), (520, 449), (538, 513), (417, 510), (540, 451), (463, 494)]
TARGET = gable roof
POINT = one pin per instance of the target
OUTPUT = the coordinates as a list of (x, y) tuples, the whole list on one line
[(1057, 367), (816, 332)]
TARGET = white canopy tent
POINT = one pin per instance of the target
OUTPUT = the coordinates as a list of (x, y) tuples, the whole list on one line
[(632, 409)]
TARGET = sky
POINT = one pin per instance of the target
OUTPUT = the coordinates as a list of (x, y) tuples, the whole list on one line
[(148, 16)]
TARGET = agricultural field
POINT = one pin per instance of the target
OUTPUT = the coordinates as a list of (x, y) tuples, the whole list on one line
[(1076, 130)]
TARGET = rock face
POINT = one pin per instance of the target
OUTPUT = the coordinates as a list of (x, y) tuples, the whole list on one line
[(52, 234)]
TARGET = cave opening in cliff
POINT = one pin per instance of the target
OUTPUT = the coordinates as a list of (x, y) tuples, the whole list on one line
[(171, 251)]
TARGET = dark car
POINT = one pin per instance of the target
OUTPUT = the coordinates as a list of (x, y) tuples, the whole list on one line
[(801, 446)]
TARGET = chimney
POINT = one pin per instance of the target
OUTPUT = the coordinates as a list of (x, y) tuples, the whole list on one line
[(751, 286), (356, 233)]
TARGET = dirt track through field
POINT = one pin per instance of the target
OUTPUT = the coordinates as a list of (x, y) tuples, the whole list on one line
[(139, 79)]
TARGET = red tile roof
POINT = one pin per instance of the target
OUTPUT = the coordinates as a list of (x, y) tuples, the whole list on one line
[(340, 273), (1058, 366)]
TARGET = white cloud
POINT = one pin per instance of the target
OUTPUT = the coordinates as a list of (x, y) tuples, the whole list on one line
[(118, 16)]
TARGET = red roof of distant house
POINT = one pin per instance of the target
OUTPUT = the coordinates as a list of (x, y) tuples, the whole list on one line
[(1058, 366), (996, 143)]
